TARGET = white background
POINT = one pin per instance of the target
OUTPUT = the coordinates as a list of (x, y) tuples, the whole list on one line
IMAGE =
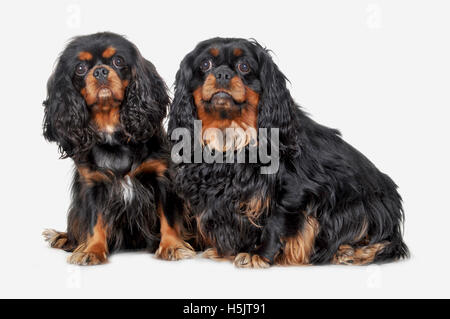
[(377, 70)]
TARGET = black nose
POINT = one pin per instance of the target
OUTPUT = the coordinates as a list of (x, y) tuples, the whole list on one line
[(223, 75), (101, 73)]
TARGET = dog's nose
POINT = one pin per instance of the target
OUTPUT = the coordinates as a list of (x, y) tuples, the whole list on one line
[(223, 75), (101, 73)]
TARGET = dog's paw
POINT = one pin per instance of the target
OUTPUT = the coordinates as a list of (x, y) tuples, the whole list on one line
[(363, 255), (55, 238), (87, 258), (211, 253), (176, 250), (246, 260), (344, 256)]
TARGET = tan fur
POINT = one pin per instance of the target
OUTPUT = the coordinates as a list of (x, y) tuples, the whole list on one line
[(109, 52), (107, 120), (237, 52), (211, 253), (224, 140), (214, 52), (362, 236), (157, 166), (94, 250), (90, 177), (172, 247), (85, 56), (57, 239), (92, 87), (243, 122), (254, 208), (246, 260), (297, 250), (236, 89), (104, 99), (201, 238), (348, 255)]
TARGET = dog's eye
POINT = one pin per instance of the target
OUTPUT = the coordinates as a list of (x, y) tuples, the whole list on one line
[(206, 65), (118, 61), (244, 67), (81, 69)]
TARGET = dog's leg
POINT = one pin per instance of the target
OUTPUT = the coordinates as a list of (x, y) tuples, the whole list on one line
[(172, 246), (282, 245), (94, 250), (265, 254), (297, 249), (277, 248)]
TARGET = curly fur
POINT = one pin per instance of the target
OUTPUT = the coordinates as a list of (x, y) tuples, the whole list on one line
[(109, 186), (67, 120), (320, 175)]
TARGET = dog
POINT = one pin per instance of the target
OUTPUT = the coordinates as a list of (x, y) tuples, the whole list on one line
[(325, 204), (105, 107)]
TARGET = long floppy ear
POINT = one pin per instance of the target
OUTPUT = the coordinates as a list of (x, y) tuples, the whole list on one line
[(66, 117), (182, 111), (146, 102), (276, 108)]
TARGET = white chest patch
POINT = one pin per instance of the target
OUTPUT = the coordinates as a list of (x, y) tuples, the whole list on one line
[(127, 190), (108, 137)]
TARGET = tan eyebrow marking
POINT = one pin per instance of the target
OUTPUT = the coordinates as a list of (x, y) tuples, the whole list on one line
[(109, 52), (214, 51), (84, 56), (237, 52)]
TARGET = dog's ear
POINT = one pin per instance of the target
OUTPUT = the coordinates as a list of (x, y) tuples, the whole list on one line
[(66, 117), (183, 111), (276, 108), (146, 102)]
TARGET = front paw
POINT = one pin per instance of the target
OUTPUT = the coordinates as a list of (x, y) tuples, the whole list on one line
[(175, 250), (247, 260), (87, 258)]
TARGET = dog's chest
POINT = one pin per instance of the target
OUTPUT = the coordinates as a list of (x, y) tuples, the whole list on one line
[(225, 186), (116, 158)]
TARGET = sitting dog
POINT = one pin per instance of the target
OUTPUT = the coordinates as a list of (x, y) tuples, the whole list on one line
[(104, 108), (325, 202)]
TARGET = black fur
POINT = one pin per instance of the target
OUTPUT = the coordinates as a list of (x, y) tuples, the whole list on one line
[(320, 174), (139, 136)]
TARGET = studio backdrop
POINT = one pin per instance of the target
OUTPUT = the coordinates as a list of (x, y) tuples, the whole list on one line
[(376, 70)]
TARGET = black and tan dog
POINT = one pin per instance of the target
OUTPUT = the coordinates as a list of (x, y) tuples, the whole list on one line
[(327, 203), (105, 108)]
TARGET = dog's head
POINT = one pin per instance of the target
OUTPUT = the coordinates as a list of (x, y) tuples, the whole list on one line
[(225, 85), (101, 83), (231, 83)]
